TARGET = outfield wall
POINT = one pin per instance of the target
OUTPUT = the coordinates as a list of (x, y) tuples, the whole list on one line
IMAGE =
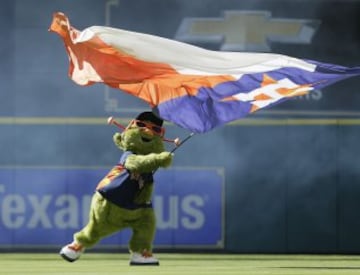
[(284, 180), (43, 207)]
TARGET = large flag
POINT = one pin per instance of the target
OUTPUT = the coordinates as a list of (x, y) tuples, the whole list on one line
[(195, 88)]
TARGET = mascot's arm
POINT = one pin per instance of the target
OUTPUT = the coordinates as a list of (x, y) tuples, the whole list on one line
[(148, 163)]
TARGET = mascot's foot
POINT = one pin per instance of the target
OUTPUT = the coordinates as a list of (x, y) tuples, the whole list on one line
[(145, 258), (71, 252)]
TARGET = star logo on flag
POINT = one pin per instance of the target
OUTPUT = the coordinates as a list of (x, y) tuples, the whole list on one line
[(271, 91)]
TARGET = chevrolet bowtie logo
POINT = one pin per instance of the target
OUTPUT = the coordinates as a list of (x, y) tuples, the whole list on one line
[(246, 30)]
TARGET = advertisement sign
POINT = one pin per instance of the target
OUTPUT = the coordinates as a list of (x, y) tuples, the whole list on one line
[(46, 206)]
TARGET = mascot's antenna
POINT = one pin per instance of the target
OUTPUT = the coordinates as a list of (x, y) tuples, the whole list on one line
[(179, 143), (112, 121)]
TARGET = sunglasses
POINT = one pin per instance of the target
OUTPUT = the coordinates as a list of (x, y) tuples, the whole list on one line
[(157, 130)]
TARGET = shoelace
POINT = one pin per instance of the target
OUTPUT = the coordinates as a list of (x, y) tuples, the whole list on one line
[(146, 254), (75, 247)]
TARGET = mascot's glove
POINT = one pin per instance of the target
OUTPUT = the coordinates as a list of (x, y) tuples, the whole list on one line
[(165, 159), (148, 163)]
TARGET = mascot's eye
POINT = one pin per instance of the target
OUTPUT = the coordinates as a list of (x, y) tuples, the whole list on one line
[(156, 129), (140, 124)]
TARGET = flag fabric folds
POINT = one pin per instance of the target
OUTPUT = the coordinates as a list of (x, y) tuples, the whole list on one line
[(195, 88)]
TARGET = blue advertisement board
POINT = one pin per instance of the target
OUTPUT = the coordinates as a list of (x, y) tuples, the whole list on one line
[(46, 206)]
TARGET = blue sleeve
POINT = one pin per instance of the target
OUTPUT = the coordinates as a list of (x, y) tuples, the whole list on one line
[(124, 157)]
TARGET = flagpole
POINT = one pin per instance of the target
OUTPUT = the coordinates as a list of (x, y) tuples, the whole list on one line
[(177, 146)]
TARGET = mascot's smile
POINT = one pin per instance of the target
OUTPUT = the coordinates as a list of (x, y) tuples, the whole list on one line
[(145, 139)]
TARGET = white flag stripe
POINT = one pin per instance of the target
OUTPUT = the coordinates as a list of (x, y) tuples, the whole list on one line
[(189, 59)]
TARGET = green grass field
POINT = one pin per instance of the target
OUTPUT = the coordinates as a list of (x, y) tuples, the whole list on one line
[(184, 264)]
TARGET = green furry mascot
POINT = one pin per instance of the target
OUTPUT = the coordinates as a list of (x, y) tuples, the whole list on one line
[(123, 197)]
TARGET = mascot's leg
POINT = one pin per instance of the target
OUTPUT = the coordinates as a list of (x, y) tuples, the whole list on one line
[(142, 238), (97, 228)]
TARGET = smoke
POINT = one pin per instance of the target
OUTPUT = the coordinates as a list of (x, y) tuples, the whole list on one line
[(281, 182)]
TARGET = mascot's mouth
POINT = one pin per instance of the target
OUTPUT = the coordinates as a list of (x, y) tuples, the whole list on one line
[(144, 139)]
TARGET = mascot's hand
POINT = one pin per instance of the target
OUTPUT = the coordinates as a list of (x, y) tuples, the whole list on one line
[(148, 163), (165, 159), (117, 140)]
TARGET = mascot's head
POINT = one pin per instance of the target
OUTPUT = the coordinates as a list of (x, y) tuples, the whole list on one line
[(143, 135)]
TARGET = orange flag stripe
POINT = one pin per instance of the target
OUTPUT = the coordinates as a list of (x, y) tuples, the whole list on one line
[(149, 81)]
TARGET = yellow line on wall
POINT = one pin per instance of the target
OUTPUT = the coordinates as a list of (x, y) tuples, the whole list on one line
[(295, 122), (56, 120), (241, 122)]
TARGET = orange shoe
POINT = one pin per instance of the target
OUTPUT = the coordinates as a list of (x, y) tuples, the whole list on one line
[(72, 252)]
